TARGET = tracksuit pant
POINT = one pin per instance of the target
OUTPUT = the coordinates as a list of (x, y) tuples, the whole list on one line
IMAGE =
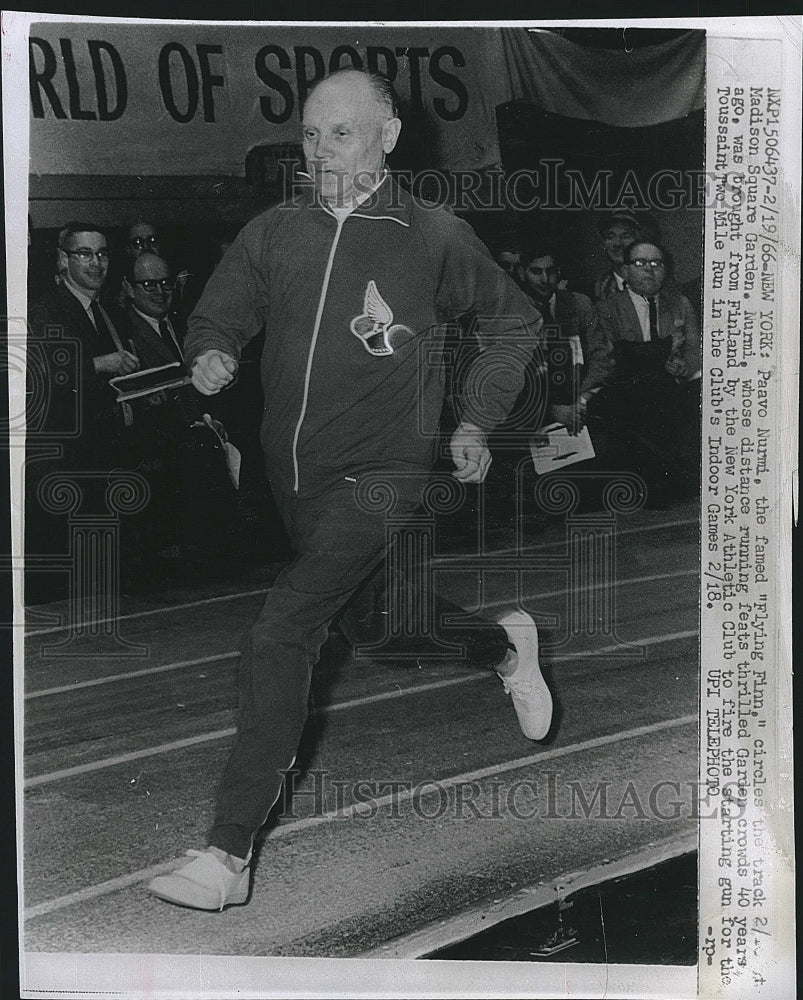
[(338, 546)]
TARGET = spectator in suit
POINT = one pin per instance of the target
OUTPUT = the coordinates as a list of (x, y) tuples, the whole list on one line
[(618, 230), (653, 396), (72, 310), (143, 237), (180, 450), (139, 238), (148, 286), (579, 357), (74, 348)]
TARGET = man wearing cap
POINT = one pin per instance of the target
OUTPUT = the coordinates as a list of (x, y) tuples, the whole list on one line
[(617, 229)]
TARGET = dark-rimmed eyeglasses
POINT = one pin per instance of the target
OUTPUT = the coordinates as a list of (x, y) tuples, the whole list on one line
[(641, 262), (140, 242), (151, 284), (85, 254)]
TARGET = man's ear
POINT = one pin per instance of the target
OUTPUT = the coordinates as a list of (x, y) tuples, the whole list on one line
[(390, 134), (129, 291)]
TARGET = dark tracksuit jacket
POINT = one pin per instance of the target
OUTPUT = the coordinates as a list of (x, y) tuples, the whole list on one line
[(352, 313), (353, 385)]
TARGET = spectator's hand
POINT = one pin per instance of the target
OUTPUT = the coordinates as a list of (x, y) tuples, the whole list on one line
[(470, 453), (118, 363), (571, 415), (212, 371), (676, 367)]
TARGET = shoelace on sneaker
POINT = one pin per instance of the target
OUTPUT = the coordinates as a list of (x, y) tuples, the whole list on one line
[(207, 864), (514, 685)]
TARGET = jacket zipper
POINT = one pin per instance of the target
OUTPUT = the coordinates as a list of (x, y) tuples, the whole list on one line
[(316, 329)]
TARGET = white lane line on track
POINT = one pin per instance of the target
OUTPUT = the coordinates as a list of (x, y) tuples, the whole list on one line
[(96, 681), (253, 593), (220, 734), (145, 874), (163, 668), (70, 772)]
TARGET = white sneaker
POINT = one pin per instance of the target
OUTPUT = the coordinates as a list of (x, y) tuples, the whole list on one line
[(204, 884), (526, 686)]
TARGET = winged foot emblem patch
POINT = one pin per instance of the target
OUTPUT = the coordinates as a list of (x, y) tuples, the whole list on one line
[(371, 327)]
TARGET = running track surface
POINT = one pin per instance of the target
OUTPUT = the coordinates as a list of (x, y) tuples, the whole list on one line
[(420, 810)]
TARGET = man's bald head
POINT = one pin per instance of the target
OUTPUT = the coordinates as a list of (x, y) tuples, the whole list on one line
[(149, 285), (384, 92), (349, 126)]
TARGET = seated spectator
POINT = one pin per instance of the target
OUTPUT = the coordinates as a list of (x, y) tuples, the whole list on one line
[(652, 400), (148, 287), (75, 346), (181, 451), (143, 237), (140, 238), (579, 358), (618, 230), (72, 308)]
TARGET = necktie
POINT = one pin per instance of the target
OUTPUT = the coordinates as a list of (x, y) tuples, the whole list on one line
[(97, 317), (653, 318), (167, 336), (101, 326)]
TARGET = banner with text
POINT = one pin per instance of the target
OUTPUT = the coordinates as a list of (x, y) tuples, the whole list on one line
[(193, 99)]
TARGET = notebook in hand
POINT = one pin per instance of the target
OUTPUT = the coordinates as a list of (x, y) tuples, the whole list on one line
[(555, 447), (143, 383)]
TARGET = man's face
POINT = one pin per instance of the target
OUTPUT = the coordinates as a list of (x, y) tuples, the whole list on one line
[(617, 237), (153, 299), (540, 278), (142, 238), (84, 269), (346, 136), (645, 271)]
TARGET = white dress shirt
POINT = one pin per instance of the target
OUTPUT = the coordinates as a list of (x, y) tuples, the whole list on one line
[(85, 300), (154, 324), (642, 306)]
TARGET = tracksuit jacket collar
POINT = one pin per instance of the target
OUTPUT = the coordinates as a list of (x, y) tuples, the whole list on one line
[(387, 201)]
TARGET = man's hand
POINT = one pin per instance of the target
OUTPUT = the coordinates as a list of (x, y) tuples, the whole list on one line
[(118, 363), (571, 415), (212, 371), (470, 453)]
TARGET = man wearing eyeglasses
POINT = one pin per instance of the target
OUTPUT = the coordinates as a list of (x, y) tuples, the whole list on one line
[(657, 355), (646, 312), (73, 309), (148, 286), (168, 442), (141, 238)]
